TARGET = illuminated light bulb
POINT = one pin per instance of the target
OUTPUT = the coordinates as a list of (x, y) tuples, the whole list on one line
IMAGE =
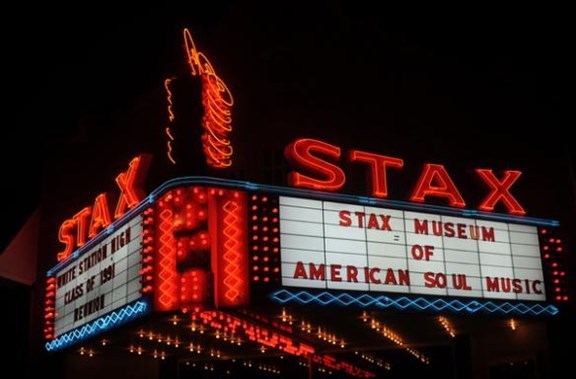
[(512, 324)]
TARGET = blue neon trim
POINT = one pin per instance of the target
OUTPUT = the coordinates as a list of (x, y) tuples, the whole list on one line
[(341, 197), (101, 324), (298, 192), (402, 302)]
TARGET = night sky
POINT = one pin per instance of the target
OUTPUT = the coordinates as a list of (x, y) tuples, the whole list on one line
[(490, 79)]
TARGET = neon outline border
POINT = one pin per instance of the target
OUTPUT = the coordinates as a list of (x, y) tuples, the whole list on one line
[(364, 300), (101, 324)]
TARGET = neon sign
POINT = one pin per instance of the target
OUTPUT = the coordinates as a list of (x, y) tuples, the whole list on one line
[(217, 101), (86, 223), (316, 168)]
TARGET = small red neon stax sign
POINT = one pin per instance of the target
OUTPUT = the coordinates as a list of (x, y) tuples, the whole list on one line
[(89, 221), (316, 167)]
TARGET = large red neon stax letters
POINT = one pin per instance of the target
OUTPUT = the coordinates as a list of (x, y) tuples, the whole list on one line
[(318, 159), (86, 223)]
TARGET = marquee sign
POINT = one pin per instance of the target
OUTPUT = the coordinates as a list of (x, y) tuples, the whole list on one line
[(341, 246), (198, 242), (100, 280)]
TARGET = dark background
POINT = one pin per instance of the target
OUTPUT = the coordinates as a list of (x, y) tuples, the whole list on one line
[(473, 86), (488, 78)]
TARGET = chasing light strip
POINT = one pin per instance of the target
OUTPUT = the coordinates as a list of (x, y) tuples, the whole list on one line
[(113, 319), (364, 300)]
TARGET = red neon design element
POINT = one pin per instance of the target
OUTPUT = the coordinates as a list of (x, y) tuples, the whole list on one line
[(171, 119), (100, 215), (166, 296), (332, 362), (435, 181), (300, 153), (130, 184), (231, 280), (81, 221), (500, 191), (194, 286), (130, 195), (217, 101), (378, 164), (147, 251), (255, 332), (49, 309), (66, 236), (256, 329)]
